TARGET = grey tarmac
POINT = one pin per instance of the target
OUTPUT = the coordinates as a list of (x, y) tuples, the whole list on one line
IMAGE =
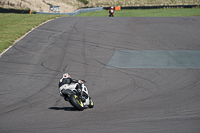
[(126, 99)]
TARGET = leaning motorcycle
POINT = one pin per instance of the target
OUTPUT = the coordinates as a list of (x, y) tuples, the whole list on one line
[(77, 98)]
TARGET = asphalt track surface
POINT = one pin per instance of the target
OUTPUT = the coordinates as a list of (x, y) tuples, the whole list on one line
[(132, 100)]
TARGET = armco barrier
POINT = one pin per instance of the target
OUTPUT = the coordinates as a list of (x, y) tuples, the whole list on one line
[(74, 13)]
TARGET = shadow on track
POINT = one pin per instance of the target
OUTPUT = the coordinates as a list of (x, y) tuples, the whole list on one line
[(64, 108)]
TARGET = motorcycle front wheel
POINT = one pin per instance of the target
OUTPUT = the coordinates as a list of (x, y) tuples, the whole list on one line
[(76, 102), (91, 105)]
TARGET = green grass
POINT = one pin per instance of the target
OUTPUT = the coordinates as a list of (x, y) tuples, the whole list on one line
[(146, 13), (13, 26)]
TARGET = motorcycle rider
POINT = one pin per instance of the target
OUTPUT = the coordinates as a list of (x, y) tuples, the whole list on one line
[(67, 79), (77, 90), (111, 12)]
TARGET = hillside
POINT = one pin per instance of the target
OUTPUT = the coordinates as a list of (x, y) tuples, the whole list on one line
[(38, 5), (72, 5)]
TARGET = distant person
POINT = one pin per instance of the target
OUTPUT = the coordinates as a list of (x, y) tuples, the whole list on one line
[(111, 12)]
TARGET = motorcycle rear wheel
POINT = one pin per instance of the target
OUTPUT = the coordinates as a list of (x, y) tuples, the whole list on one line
[(76, 102)]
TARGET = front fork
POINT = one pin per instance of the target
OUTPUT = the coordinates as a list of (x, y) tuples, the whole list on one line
[(80, 93)]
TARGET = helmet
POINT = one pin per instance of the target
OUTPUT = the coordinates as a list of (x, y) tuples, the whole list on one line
[(66, 75), (112, 7)]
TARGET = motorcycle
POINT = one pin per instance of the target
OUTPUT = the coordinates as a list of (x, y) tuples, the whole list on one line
[(77, 98), (111, 13)]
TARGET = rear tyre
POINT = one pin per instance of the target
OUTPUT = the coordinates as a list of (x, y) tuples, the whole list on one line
[(76, 102)]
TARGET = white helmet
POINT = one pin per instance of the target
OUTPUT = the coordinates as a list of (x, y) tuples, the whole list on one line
[(66, 75), (112, 7)]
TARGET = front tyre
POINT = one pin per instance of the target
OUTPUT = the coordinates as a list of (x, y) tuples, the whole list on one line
[(91, 105), (76, 102)]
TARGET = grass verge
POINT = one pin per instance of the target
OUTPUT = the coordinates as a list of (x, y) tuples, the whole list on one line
[(13, 26), (183, 12)]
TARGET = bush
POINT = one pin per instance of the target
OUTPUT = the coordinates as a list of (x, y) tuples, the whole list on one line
[(12, 10), (85, 2)]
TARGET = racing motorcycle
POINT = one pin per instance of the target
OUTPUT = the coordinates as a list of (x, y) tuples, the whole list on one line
[(111, 14), (78, 98)]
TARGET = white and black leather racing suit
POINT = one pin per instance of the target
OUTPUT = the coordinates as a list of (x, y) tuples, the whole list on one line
[(81, 89), (69, 81)]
